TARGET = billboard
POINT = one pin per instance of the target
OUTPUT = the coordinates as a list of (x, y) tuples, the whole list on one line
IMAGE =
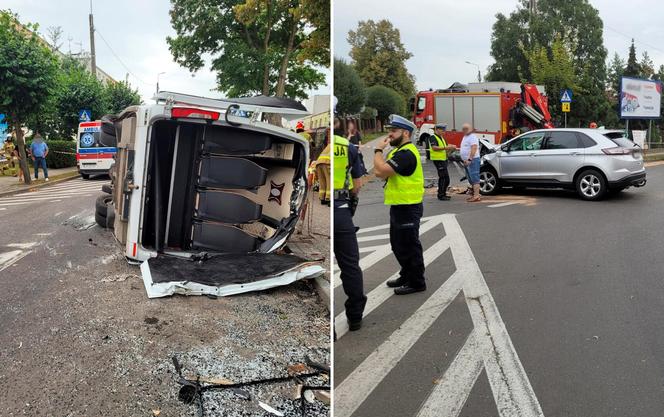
[(639, 98)]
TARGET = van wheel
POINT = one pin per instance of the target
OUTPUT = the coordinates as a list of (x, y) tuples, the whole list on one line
[(489, 182), (101, 204), (85, 176), (100, 220), (591, 185)]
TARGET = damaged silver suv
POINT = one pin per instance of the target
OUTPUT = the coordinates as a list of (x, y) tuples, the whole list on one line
[(205, 194)]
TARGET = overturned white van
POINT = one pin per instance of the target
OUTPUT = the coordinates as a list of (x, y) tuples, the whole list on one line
[(205, 194)]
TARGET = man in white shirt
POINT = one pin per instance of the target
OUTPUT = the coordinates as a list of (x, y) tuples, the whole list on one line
[(470, 155)]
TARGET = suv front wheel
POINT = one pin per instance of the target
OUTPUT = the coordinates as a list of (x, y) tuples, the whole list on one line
[(489, 182), (591, 185)]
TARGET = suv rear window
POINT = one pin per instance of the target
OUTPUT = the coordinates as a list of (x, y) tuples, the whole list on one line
[(619, 139), (561, 140)]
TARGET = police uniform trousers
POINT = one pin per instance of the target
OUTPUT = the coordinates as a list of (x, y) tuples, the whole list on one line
[(347, 253), (405, 242), (443, 177)]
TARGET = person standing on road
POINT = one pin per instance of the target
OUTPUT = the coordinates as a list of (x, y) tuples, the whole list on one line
[(438, 149), (323, 176), (404, 191), (39, 152), (470, 155), (355, 138), (346, 178)]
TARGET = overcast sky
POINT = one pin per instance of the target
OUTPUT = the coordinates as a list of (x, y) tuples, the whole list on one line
[(443, 34), (136, 31)]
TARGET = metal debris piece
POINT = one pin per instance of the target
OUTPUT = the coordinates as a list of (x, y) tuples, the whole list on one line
[(323, 396), (209, 380), (309, 396), (242, 393), (270, 409)]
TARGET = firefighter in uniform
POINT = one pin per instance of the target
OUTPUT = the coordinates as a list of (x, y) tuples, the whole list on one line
[(347, 172), (438, 148), (404, 190)]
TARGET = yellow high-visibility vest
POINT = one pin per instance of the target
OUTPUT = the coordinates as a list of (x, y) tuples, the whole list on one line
[(342, 180), (402, 189), (438, 155)]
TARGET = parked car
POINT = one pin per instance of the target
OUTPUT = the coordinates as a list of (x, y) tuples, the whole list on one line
[(591, 161), (205, 194)]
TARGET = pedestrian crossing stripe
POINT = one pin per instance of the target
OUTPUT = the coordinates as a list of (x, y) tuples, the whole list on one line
[(488, 347), (56, 192)]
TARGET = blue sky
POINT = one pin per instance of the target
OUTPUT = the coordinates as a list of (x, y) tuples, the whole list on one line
[(443, 34), (137, 35)]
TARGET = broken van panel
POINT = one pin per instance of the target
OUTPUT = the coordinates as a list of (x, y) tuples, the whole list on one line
[(204, 194)]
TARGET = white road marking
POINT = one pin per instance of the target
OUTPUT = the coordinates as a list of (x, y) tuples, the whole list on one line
[(3, 208), (52, 194), (8, 259), (488, 346), (26, 245), (507, 203), (373, 237), (382, 251), (451, 392)]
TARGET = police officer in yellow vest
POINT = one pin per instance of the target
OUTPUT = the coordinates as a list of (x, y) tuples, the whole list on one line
[(438, 149), (347, 172), (404, 191)]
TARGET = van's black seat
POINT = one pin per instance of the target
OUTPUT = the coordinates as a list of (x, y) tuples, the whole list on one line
[(233, 173), (222, 238), (232, 141), (226, 207)]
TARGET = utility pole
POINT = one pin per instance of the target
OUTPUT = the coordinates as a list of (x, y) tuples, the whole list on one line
[(93, 60)]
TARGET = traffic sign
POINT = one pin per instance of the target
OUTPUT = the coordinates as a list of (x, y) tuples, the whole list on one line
[(84, 115), (566, 96), (566, 107)]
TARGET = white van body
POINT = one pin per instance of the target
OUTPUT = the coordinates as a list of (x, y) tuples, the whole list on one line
[(205, 194)]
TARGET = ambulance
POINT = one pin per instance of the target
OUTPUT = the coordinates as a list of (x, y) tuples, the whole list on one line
[(94, 156)]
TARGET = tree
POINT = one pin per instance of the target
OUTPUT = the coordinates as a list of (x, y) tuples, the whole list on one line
[(615, 72), (270, 47), (119, 96), (647, 66), (348, 88), (379, 56), (385, 100), (54, 35), (577, 25), (27, 75), (556, 72), (633, 69), (77, 89)]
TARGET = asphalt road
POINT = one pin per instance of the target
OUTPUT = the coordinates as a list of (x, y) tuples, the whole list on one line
[(79, 337), (538, 303)]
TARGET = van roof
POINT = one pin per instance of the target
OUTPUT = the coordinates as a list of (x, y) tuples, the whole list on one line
[(259, 103)]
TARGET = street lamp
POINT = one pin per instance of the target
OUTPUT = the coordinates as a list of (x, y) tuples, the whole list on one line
[(161, 73), (479, 75)]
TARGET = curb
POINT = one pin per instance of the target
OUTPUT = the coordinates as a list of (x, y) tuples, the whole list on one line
[(323, 289), (44, 184)]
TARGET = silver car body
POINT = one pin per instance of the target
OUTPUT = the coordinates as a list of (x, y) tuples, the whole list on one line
[(555, 158)]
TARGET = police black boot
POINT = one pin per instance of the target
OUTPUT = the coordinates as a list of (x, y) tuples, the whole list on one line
[(354, 325), (407, 289), (395, 283)]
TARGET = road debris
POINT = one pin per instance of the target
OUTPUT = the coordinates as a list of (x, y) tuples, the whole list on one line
[(270, 409)]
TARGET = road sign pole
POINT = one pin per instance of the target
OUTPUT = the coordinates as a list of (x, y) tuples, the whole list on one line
[(565, 119)]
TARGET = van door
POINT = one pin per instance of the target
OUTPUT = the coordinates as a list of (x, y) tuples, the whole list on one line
[(223, 274)]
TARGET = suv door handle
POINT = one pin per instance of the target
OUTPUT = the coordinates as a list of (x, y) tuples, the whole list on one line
[(574, 153), (533, 154)]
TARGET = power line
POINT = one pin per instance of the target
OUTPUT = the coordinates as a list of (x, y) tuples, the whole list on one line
[(118, 58), (635, 40)]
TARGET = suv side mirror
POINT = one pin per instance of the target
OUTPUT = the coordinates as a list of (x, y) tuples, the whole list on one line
[(505, 148)]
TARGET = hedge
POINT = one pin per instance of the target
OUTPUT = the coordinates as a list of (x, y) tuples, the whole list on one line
[(61, 153)]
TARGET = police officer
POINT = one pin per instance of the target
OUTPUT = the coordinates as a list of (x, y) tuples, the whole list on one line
[(438, 148), (346, 179), (404, 190)]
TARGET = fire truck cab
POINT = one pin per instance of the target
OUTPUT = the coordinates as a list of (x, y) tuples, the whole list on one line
[(496, 110)]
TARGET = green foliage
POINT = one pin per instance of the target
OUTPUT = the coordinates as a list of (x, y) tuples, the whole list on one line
[(268, 47), (379, 56), (348, 88), (576, 25), (386, 101), (633, 69), (61, 153), (555, 71), (78, 89), (119, 96)]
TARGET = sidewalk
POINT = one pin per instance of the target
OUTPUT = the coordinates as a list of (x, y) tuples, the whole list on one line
[(10, 185)]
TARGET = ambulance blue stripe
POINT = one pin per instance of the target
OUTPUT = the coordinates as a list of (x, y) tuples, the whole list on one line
[(97, 150)]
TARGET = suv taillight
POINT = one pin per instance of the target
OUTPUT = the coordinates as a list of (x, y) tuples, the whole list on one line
[(618, 150), (193, 113)]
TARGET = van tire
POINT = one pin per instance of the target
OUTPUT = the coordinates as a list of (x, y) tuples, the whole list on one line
[(107, 189), (101, 204), (85, 176), (101, 220), (110, 218)]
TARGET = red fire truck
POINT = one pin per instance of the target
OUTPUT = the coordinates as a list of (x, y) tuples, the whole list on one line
[(496, 110)]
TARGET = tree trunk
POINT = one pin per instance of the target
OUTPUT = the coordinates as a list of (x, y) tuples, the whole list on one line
[(283, 71), (21, 150), (266, 47)]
